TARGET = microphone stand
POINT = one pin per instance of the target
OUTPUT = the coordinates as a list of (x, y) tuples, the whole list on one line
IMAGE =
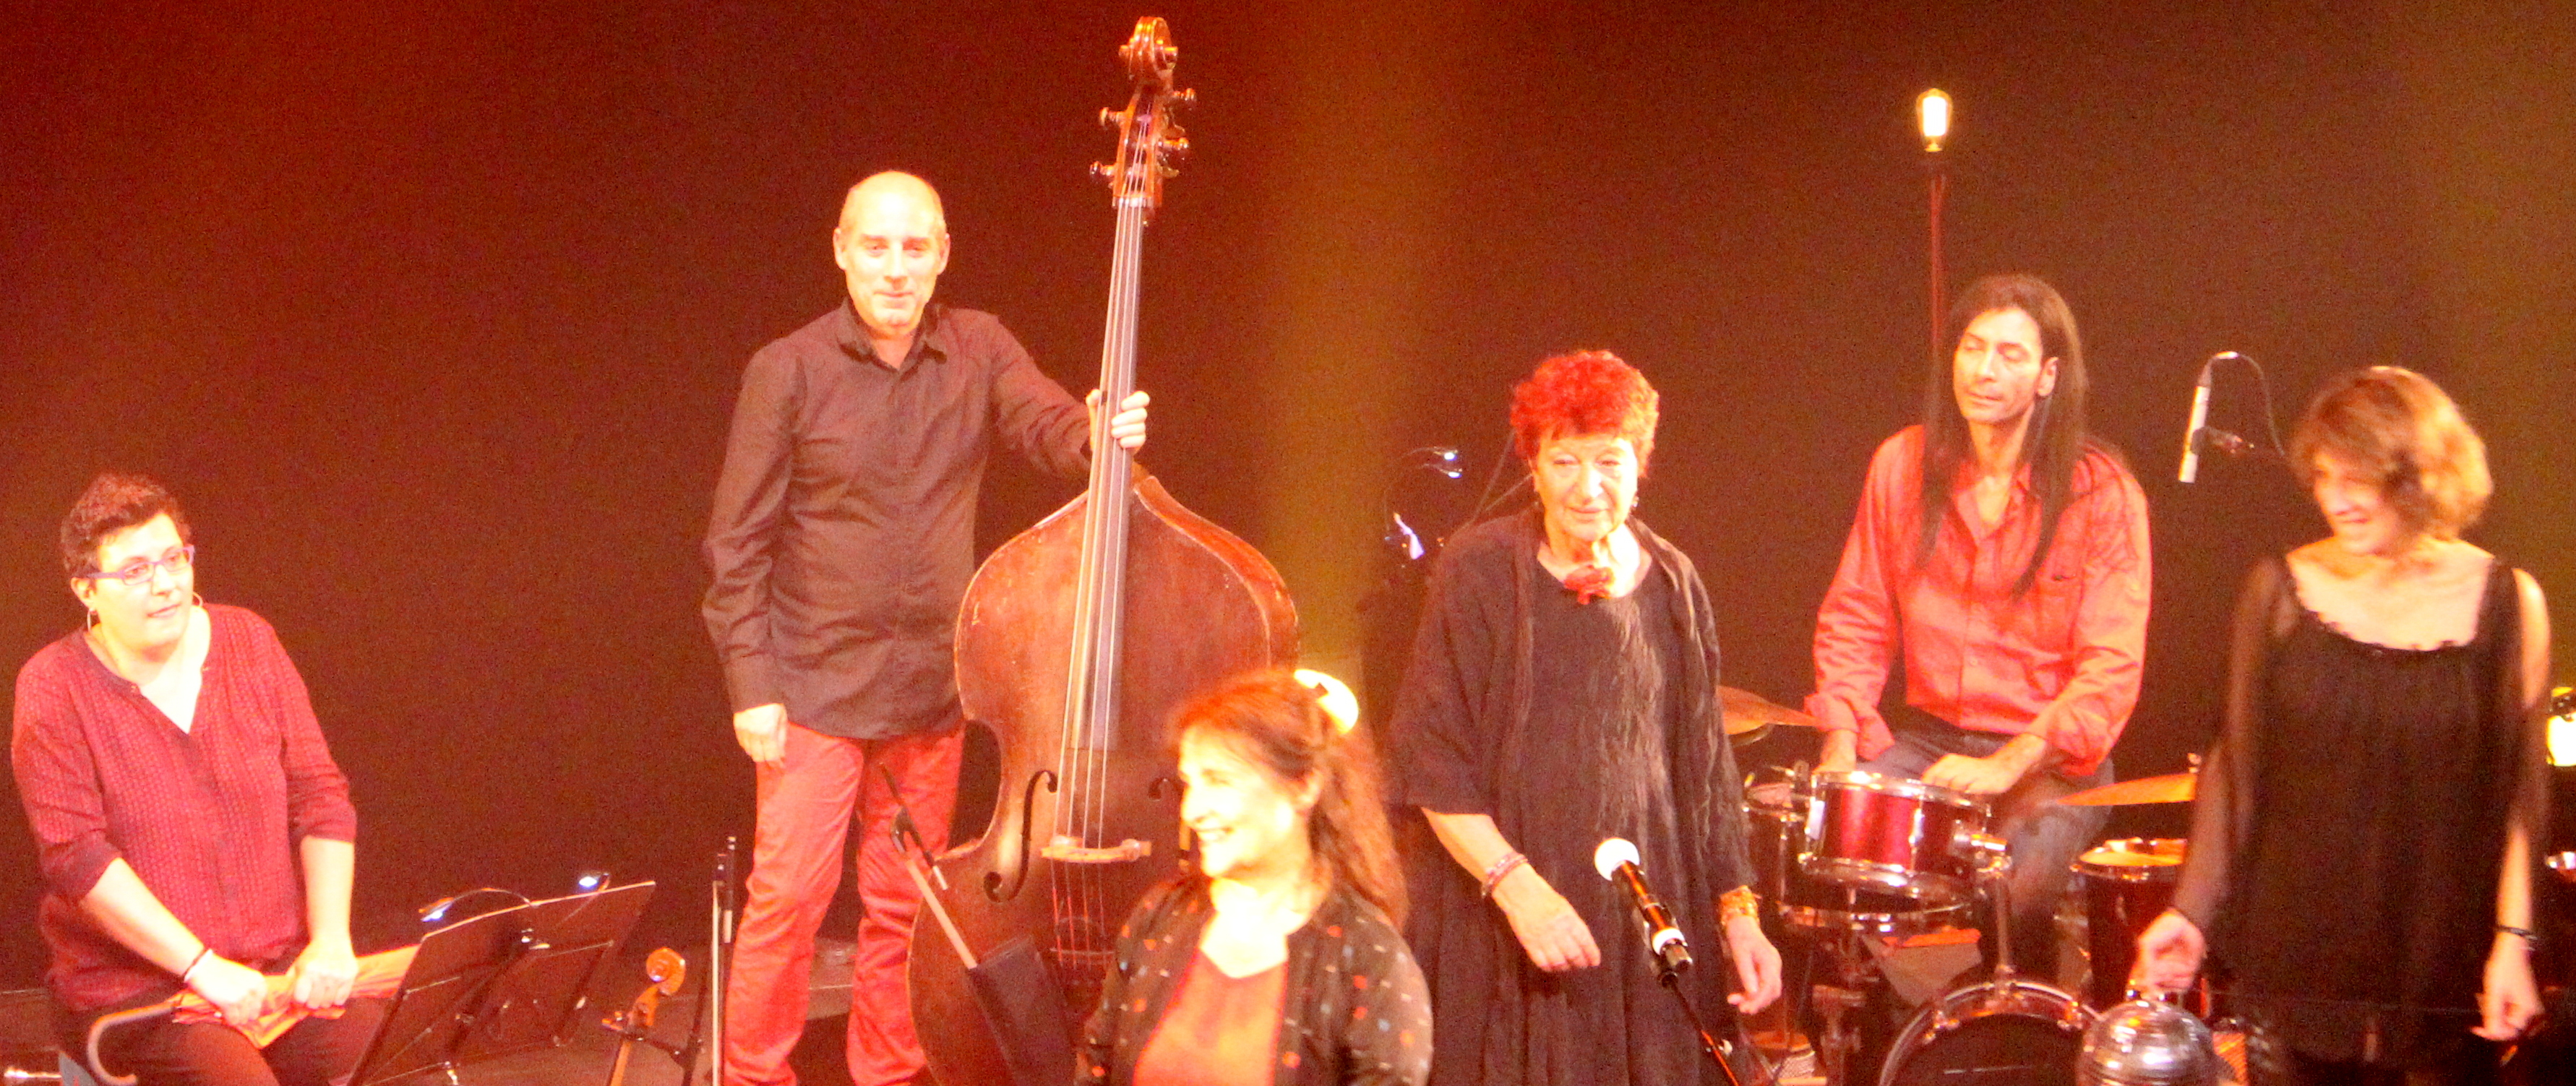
[(706, 1031), (1717, 1051)]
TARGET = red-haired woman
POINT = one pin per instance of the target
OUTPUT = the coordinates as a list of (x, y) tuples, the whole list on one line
[(1564, 691), (2361, 843), (1277, 961)]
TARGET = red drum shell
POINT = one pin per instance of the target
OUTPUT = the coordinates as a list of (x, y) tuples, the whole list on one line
[(1775, 816), (1890, 835)]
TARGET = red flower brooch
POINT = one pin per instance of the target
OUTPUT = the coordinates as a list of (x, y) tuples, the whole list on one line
[(1588, 583)]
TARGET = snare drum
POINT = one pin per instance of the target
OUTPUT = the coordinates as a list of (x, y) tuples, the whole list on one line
[(2004, 1031), (1892, 836), (1775, 817), (2126, 884)]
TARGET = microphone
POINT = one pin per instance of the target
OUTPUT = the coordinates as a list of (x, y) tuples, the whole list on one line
[(1616, 860), (2199, 415), (2223, 441), (1442, 459)]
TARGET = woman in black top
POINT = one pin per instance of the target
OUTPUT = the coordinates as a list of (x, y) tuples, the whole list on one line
[(1563, 691), (2360, 864)]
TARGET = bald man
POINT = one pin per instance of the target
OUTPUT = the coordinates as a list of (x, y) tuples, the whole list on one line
[(841, 542)]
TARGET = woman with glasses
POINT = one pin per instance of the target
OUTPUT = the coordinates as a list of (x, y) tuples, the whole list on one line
[(193, 832)]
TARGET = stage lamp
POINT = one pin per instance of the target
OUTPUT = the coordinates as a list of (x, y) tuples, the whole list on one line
[(1932, 112), (2562, 727)]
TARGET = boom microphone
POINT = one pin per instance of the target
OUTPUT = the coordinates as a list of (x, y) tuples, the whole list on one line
[(1616, 860), (2191, 433)]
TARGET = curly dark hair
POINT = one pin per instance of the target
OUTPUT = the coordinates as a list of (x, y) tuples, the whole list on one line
[(1587, 392), (2401, 427), (1278, 723), (111, 503)]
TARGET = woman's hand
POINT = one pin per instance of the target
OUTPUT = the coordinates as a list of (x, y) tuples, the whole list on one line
[(323, 974), (1552, 933), (1757, 964), (2169, 955), (237, 991), (2510, 999)]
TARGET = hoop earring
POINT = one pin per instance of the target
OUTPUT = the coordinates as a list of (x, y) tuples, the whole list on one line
[(199, 598), (92, 622)]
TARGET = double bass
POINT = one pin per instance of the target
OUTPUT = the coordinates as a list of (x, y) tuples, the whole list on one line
[(1087, 815)]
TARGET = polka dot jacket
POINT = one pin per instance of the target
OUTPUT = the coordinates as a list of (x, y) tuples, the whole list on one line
[(1353, 1006)]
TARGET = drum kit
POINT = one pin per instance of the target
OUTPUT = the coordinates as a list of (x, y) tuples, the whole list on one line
[(1854, 863)]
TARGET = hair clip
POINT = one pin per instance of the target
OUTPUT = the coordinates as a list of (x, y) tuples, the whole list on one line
[(1333, 697)]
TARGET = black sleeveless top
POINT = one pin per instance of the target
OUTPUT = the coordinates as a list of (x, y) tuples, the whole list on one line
[(2371, 790)]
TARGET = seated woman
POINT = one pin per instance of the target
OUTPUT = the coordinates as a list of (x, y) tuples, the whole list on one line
[(1278, 960), (2360, 864), (192, 829)]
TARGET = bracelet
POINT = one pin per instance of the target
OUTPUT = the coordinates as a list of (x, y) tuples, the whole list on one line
[(1501, 867), (1740, 901), (2530, 938), (193, 963)]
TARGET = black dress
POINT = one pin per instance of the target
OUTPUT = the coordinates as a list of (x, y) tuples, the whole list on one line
[(1567, 723), (2346, 841)]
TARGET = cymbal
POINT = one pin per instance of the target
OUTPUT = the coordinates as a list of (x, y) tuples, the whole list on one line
[(1749, 712), (2170, 788)]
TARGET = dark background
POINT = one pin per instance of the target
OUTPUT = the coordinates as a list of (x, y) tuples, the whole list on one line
[(432, 313)]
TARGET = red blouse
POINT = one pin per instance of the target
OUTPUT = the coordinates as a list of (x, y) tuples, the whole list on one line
[(1218, 1030), (208, 818)]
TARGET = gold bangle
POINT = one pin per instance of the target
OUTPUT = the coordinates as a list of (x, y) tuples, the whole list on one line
[(1738, 902)]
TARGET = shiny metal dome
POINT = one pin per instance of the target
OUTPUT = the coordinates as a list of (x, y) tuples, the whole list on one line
[(2145, 1043)]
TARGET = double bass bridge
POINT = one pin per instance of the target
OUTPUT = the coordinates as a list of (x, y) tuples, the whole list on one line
[(1064, 849)]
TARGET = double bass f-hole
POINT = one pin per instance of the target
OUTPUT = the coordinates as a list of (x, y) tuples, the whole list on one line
[(1027, 831)]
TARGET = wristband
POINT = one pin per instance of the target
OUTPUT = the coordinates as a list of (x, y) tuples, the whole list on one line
[(1740, 901), (2530, 938), (1501, 867), (193, 963)]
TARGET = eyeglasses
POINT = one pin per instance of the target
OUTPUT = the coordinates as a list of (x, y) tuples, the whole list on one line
[(139, 572)]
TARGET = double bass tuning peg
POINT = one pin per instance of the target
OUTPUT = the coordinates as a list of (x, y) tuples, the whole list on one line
[(1112, 118)]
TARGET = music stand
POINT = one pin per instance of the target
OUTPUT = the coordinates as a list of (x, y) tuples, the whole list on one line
[(501, 983)]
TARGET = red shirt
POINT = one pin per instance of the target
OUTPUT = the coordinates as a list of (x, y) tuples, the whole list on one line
[(1218, 1030), (208, 818), (2060, 662)]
